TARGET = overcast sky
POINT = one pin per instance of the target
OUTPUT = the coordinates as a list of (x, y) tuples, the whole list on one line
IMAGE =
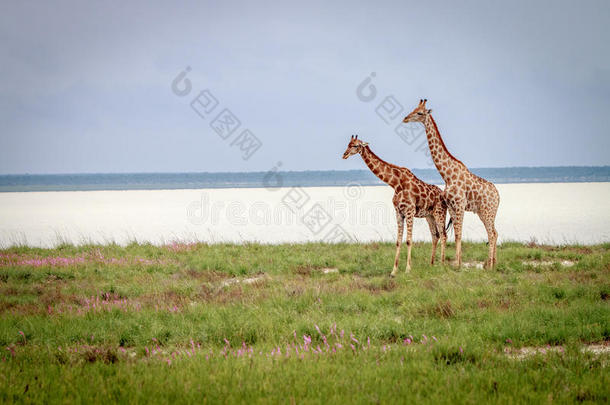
[(87, 87)]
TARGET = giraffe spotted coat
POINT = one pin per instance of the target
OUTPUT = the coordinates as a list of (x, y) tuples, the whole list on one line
[(464, 191), (413, 198)]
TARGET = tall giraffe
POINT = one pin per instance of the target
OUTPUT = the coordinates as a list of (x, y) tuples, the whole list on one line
[(412, 199), (464, 191)]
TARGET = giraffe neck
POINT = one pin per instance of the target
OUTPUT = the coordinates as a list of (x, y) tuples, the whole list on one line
[(445, 162), (379, 167)]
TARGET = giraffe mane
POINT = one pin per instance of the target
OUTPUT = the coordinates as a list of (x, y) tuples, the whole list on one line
[(384, 162), (442, 141)]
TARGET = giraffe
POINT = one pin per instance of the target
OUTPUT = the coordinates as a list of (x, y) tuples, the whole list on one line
[(412, 199), (464, 191)]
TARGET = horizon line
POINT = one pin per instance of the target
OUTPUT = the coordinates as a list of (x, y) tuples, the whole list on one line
[(283, 171)]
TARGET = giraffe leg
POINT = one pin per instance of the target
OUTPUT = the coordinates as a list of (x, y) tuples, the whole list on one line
[(409, 220), (435, 236), (443, 246), (492, 236), (400, 220), (440, 215), (457, 215), (495, 248)]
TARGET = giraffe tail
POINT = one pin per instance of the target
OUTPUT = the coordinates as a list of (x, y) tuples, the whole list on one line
[(445, 204), (449, 224)]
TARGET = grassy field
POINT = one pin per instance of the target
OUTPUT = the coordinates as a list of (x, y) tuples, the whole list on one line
[(302, 324)]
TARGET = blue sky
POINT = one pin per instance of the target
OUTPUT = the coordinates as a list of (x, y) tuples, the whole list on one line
[(87, 87)]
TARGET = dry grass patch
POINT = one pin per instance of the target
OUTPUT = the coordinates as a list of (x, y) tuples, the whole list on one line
[(573, 249), (439, 310), (374, 285), (303, 270), (252, 291), (210, 276)]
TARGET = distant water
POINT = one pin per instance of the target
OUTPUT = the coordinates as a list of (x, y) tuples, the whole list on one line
[(555, 213), (327, 178)]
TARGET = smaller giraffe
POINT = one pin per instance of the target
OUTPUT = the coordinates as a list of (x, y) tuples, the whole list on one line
[(412, 199)]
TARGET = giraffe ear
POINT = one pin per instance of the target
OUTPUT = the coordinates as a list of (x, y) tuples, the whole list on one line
[(365, 144), (429, 111)]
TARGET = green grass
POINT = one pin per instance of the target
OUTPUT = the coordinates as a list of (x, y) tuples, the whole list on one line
[(161, 317)]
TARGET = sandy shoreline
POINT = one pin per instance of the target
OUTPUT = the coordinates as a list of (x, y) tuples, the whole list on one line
[(554, 213)]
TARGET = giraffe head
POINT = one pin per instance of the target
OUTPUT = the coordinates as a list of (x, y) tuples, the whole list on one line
[(419, 114), (354, 146)]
